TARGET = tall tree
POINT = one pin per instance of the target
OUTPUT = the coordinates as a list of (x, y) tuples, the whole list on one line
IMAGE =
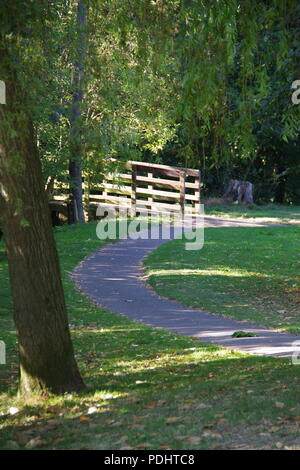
[(76, 146), (47, 362)]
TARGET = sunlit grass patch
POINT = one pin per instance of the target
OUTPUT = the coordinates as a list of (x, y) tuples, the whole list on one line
[(147, 388), (274, 213), (244, 273)]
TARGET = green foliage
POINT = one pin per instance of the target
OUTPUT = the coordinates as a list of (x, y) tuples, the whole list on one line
[(195, 83), (243, 334)]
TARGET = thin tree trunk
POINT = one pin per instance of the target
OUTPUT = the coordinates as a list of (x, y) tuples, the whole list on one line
[(46, 356), (76, 146)]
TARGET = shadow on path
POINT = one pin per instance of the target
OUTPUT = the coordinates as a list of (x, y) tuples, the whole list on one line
[(112, 277)]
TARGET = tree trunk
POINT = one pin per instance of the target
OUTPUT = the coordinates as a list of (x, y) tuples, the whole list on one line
[(76, 146), (243, 190), (47, 362)]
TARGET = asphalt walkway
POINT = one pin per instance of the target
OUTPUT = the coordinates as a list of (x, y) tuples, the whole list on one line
[(113, 278)]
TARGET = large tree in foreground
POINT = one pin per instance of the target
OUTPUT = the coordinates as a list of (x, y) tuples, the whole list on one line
[(47, 361)]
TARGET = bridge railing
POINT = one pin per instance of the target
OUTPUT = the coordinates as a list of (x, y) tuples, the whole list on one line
[(156, 187)]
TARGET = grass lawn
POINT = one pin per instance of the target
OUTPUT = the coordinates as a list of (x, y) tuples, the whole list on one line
[(267, 212), (147, 388), (243, 273)]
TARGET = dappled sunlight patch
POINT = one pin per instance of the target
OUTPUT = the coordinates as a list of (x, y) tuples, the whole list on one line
[(273, 213), (145, 383), (106, 395), (244, 273), (222, 271)]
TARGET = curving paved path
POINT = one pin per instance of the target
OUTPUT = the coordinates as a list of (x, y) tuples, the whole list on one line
[(112, 277)]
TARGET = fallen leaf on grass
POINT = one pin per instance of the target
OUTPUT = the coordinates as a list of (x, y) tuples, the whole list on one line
[(117, 423), (36, 443), (92, 410), (202, 405), (152, 404), (264, 434), (172, 420), (221, 421), (138, 419), (75, 408), (162, 402), (139, 427), (110, 421), (212, 435), (53, 409), (208, 426), (143, 445), (185, 407), (274, 428), (30, 419), (194, 440), (57, 438)]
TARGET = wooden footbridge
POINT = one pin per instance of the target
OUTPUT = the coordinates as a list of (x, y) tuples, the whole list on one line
[(158, 188)]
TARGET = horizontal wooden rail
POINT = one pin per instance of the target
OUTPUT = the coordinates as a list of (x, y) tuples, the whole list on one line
[(153, 192), (139, 203), (166, 169), (155, 181)]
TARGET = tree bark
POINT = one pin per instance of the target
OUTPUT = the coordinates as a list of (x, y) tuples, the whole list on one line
[(243, 190), (46, 357), (76, 146)]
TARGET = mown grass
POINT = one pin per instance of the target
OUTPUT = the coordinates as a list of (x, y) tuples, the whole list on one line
[(243, 273), (267, 212), (147, 388)]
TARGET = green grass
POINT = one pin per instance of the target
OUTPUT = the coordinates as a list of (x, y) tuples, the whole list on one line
[(267, 212), (243, 273), (151, 389)]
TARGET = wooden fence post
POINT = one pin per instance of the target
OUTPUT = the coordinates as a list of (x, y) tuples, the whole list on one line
[(182, 191), (133, 190), (197, 192), (150, 187), (86, 197)]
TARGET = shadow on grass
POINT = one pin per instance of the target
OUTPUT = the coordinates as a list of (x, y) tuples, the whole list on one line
[(154, 391), (150, 388), (155, 405)]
